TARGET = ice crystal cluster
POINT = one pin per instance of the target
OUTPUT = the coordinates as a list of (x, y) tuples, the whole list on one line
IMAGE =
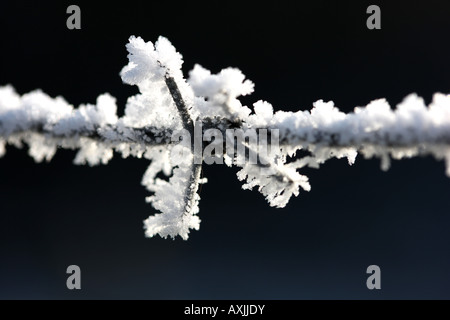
[(168, 104)]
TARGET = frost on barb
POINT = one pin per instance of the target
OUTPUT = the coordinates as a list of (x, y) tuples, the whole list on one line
[(45, 123), (168, 104), (177, 202), (147, 68), (176, 199)]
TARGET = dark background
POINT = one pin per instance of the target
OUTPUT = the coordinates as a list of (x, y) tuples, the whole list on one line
[(56, 214)]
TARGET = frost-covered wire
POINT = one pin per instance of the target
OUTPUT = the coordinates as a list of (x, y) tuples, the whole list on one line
[(169, 106)]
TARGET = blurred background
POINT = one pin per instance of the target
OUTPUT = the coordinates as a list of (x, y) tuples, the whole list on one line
[(55, 214)]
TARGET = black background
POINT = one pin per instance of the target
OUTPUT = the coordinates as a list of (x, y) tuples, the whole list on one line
[(56, 214)]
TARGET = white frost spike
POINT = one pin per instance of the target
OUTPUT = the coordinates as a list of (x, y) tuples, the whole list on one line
[(40, 147), (104, 112), (9, 99), (89, 116), (93, 153), (221, 91), (177, 216), (277, 187), (160, 157), (167, 103), (230, 81), (168, 56), (147, 69), (143, 62)]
